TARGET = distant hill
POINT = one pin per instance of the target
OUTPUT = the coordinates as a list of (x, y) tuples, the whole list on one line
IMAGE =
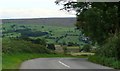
[(46, 21)]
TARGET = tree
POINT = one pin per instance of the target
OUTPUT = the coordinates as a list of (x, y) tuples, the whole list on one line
[(51, 46), (96, 20), (71, 44), (99, 21), (42, 27), (39, 41), (13, 26)]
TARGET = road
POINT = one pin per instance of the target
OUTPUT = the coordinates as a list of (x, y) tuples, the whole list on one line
[(60, 63)]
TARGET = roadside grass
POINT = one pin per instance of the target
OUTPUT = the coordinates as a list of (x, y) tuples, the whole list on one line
[(13, 61), (110, 62), (0, 62)]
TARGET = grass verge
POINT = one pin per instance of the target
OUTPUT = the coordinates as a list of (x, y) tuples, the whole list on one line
[(0, 62), (110, 62)]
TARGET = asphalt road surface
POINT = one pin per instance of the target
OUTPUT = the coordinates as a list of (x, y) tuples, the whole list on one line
[(60, 63)]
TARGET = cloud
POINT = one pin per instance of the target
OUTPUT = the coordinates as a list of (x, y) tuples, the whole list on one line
[(31, 9)]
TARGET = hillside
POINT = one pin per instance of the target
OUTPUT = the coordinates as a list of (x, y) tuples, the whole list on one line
[(44, 21), (53, 30)]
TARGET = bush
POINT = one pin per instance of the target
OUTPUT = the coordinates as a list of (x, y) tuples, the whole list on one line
[(109, 53), (65, 49), (71, 44), (87, 48), (111, 48), (51, 46), (39, 41)]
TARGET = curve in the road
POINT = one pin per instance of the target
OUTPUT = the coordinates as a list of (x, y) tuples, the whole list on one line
[(61, 63)]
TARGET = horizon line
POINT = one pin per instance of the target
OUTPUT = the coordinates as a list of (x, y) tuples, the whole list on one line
[(35, 18)]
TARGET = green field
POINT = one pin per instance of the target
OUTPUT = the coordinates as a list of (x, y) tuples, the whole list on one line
[(52, 34)]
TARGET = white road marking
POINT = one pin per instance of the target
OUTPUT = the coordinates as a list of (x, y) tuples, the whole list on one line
[(64, 64)]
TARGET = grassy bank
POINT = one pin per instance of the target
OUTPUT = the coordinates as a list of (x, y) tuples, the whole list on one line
[(0, 61), (110, 62)]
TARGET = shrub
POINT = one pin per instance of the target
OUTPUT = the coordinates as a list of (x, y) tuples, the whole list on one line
[(87, 48), (111, 48), (65, 49), (70, 44), (39, 41), (109, 53), (51, 46)]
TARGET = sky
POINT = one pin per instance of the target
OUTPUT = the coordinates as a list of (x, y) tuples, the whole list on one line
[(12, 9)]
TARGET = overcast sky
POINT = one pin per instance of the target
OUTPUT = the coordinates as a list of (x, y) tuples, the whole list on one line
[(31, 9)]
